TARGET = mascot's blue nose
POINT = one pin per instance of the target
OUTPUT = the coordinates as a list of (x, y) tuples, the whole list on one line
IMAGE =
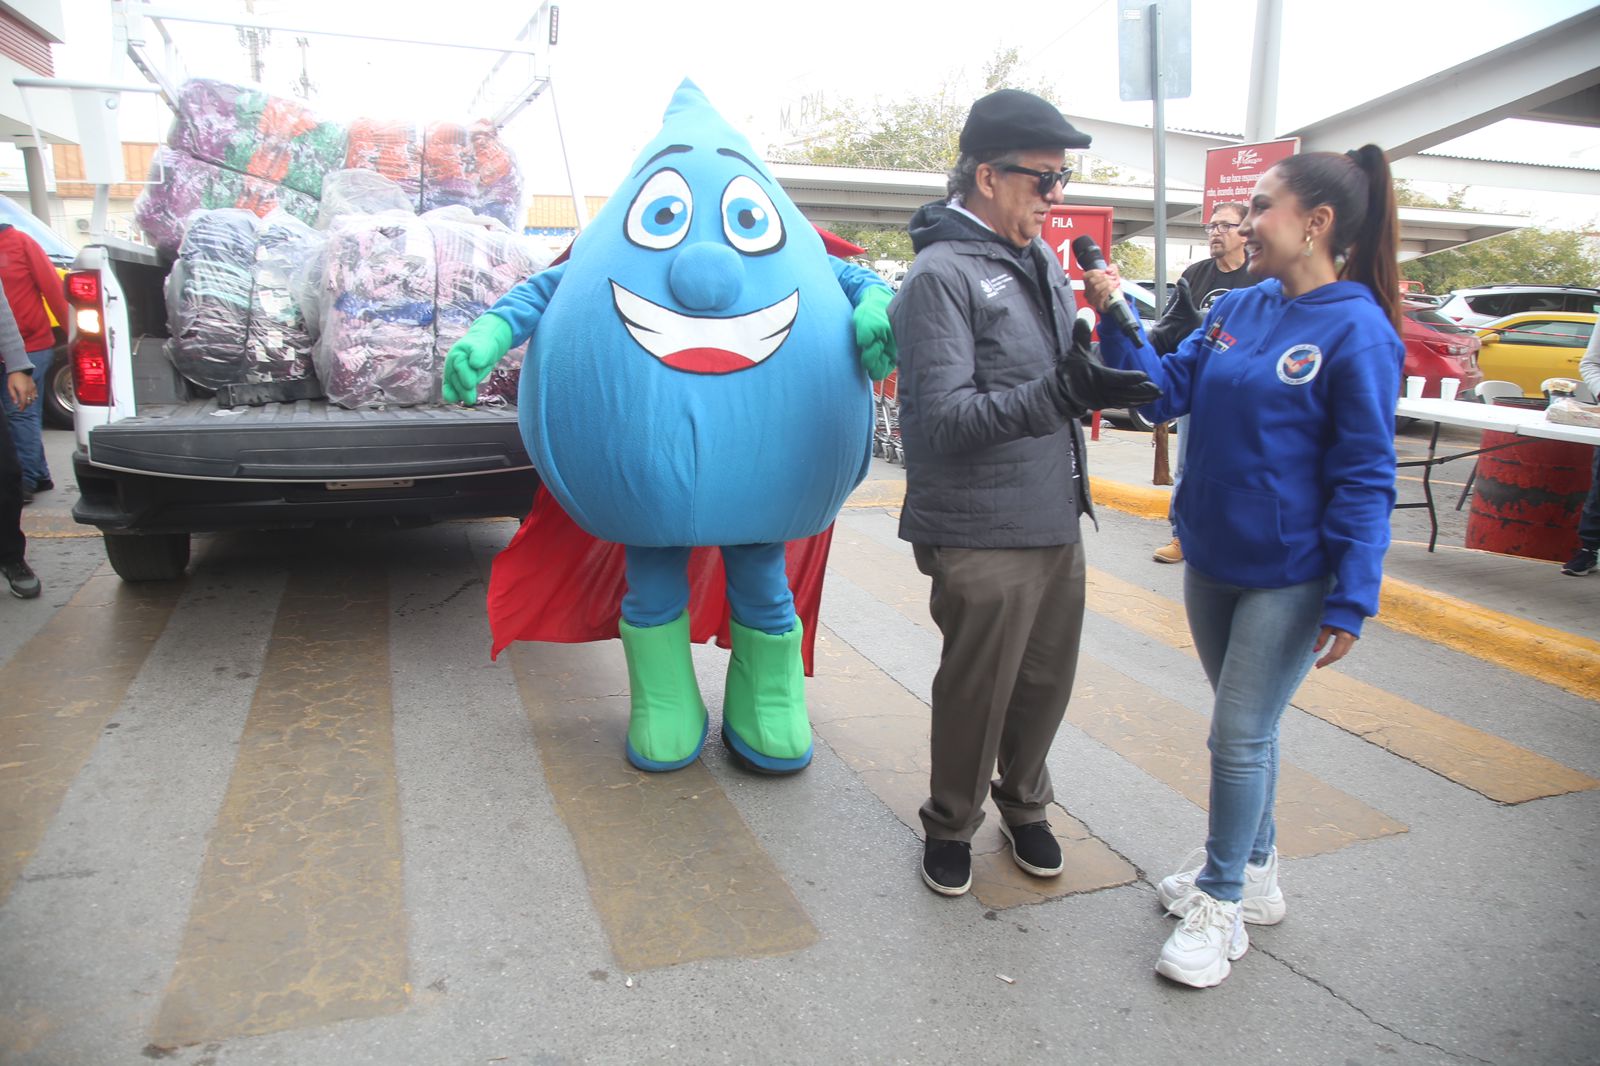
[(707, 276)]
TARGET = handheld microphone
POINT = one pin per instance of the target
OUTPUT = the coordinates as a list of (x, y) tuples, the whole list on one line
[(1089, 257)]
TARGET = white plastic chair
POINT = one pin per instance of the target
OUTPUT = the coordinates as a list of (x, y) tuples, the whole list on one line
[(1488, 392)]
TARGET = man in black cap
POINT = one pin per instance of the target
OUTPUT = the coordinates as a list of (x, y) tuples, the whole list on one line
[(995, 374)]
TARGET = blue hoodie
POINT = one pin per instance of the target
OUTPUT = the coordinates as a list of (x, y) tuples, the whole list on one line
[(1290, 469)]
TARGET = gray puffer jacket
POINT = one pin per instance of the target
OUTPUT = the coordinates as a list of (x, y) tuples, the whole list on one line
[(991, 459)]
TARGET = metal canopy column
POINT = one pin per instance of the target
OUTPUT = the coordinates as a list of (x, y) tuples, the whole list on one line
[(1261, 110)]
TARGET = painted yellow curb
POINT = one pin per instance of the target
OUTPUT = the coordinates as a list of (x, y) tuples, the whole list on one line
[(1140, 501), (1550, 655), (1562, 659)]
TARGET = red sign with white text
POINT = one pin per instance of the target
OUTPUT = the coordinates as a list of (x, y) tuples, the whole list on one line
[(1231, 171), (1065, 223)]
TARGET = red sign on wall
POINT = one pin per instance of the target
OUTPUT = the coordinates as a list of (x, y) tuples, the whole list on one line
[(1231, 171)]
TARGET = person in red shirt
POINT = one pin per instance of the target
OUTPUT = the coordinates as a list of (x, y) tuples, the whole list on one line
[(30, 283)]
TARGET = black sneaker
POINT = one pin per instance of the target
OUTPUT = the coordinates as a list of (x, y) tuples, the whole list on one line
[(24, 582), (43, 486), (947, 866), (1582, 563), (1034, 848), (27, 496)]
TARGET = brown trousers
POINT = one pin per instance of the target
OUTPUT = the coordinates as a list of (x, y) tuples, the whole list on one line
[(1011, 620)]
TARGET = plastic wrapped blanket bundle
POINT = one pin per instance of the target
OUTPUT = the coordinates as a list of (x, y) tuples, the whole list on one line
[(478, 261), (253, 132), (232, 308), (396, 292), (208, 297), (376, 345), (278, 343), (359, 192), (182, 184)]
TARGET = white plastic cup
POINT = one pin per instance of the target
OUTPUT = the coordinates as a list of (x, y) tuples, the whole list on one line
[(1414, 387), (1448, 387)]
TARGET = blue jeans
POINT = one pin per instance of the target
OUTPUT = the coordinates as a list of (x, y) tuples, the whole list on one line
[(1589, 520), (1256, 646), (27, 429)]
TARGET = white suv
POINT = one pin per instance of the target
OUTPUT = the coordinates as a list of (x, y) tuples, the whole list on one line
[(1480, 306)]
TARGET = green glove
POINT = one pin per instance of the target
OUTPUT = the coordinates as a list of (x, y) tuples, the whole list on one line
[(474, 356), (873, 335)]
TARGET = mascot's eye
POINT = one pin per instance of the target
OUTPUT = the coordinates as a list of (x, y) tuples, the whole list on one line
[(659, 215), (749, 219)]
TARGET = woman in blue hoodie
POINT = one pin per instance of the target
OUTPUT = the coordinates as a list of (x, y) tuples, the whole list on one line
[(1283, 511)]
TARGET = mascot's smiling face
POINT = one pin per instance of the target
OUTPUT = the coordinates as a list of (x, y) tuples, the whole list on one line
[(694, 379), (698, 275)]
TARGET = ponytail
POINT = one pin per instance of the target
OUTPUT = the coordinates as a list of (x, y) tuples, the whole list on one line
[(1371, 257), (1359, 188)]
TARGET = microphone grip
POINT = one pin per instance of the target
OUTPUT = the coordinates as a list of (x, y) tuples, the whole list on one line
[(1089, 257)]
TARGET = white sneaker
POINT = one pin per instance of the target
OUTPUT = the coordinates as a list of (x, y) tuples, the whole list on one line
[(1201, 951), (1263, 899)]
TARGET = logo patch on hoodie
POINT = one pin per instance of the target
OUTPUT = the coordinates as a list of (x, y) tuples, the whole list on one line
[(1299, 364), (994, 286), (1219, 339)]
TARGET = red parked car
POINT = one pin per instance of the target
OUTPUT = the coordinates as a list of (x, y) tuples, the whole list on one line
[(1438, 348)]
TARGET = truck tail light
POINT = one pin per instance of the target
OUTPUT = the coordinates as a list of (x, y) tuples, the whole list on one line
[(91, 363), (91, 371), (83, 288)]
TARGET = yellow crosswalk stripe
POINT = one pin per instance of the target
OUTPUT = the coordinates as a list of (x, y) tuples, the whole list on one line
[(1160, 736), (674, 871), (880, 731), (299, 914), (60, 689), (1483, 762)]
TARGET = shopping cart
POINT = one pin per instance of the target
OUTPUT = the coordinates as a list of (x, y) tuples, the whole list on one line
[(886, 419)]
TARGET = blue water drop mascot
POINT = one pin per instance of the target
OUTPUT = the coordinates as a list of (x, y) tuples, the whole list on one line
[(698, 376)]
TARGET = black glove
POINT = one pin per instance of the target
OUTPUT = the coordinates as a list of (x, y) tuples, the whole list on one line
[(1180, 319), (1085, 384)]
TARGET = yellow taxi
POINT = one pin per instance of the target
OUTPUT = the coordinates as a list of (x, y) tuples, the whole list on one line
[(1528, 347)]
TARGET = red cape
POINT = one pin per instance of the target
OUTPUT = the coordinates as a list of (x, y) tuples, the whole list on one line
[(555, 582)]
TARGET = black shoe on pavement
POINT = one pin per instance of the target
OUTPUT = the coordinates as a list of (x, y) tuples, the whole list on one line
[(1034, 848), (947, 866), (27, 496), (24, 582), (43, 486), (1582, 563)]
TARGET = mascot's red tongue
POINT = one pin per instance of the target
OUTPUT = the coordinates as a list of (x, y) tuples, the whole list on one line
[(707, 361)]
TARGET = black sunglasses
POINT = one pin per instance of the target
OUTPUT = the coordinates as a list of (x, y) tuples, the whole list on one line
[(1048, 179)]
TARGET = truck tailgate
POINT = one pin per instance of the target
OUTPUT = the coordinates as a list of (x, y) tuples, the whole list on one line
[(309, 440)]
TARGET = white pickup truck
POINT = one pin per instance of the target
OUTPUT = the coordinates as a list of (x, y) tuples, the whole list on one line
[(157, 461)]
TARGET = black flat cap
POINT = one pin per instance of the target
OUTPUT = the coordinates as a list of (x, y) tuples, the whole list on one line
[(1009, 120)]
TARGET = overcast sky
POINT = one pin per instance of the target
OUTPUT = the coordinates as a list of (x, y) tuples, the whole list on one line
[(618, 61)]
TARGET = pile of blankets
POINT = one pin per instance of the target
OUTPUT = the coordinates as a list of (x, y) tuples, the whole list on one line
[(371, 305), (233, 146)]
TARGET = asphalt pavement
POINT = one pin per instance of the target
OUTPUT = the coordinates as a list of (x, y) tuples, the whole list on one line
[(287, 811)]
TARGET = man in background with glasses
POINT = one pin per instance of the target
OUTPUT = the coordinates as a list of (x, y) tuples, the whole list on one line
[(1208, 279), (993, 382)]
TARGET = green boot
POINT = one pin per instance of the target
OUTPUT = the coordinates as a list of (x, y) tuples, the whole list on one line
[(764, 719), (667, 723)]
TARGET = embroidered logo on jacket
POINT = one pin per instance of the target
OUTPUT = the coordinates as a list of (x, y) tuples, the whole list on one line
[(994, 286), (1299, 364), (1219, 339)]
